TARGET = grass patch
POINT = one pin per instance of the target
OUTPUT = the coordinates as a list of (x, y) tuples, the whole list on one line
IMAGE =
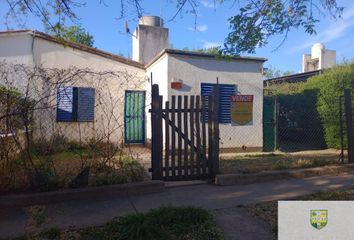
[(164, 223), (58, 170), (258, 163), (268, 211)]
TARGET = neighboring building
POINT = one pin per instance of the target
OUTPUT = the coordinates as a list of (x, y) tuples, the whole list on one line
[(320, 58), (293, 78), (153, 63)]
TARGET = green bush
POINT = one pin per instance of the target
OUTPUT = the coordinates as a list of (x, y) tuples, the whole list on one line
[(329, 87), (124, 170), (44, 147), (165, 223), (300, 108)]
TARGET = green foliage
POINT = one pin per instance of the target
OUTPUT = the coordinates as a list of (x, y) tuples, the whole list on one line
[(126, 169), (273, 72), (57, 143), (165, 223), (44, 177), (329, 87), (255, 23), (299, 119), (52, 233), (258, 20), (73, 33)]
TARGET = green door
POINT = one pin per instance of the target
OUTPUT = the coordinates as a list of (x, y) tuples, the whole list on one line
[(269, 123), (134, 117)]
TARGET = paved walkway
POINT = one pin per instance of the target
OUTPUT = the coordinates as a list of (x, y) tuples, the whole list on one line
[(90, 212)]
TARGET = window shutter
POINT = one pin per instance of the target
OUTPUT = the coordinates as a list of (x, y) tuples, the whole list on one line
[(226, 91), (65, 99), (86, 105), (206, 90)]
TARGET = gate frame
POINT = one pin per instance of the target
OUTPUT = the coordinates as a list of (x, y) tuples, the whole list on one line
[(157, 133), (349, 122)]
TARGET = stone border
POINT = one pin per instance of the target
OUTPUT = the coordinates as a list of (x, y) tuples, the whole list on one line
[(93, 193), (235, 179)]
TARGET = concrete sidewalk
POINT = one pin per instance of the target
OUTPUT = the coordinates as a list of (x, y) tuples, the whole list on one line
[(87, 212)]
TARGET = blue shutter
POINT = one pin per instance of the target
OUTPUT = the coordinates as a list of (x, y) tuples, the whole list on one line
[(226, 91), (206, 90), (65, 99), (86, 104)]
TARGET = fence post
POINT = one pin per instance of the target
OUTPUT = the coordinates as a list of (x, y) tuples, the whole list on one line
[(213, 132), (349, 122), (156, 129), (210, 136), (341, 129), (216, 134)]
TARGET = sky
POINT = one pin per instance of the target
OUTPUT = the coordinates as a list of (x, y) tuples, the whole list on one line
[(209, 29)]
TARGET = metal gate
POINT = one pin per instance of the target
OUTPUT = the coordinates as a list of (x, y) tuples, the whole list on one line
[(269, 122), (185, 137), (346, 112)]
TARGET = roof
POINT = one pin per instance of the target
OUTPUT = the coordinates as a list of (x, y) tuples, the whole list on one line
[(76, 46), (203, 55), (299, 77)]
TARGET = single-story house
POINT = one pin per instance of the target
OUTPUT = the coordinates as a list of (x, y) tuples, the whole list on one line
[(115, 92)]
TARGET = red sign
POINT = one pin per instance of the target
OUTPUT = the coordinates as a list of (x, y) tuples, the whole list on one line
[(242, 98), (176, 85)]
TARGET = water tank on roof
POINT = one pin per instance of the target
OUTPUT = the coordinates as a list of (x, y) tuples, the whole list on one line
[(316, 50), (151, 21)]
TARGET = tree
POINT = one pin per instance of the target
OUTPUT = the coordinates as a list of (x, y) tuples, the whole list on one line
[(250, 28), (273, 72), (73, 33)]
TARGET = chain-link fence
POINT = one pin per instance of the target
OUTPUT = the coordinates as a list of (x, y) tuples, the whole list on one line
[(61, 127)]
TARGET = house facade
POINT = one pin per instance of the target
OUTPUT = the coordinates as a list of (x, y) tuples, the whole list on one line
[(129, 83)]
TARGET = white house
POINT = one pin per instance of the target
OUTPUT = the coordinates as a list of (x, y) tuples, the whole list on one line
[(153, 63)]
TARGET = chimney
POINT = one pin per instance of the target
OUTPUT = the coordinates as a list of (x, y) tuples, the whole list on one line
[(149, 39)]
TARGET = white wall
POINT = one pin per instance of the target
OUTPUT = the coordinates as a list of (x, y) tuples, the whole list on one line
[(247, 77), (159, 71), (148, 41), (18, 48)]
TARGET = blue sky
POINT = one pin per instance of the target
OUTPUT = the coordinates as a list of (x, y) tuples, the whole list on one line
[(210, 29)]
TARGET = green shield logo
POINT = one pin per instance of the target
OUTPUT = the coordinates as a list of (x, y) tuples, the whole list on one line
[(319, 218)]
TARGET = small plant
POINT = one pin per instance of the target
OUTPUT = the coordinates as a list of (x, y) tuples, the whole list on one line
[(36, 218), (123, 170), (43, 147), (52, 234), (160, 224)]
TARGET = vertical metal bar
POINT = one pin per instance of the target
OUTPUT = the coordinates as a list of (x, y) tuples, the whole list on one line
[(341, 129), (349, 119)]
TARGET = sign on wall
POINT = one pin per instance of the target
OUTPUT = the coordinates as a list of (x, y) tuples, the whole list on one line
[(241, 109)]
